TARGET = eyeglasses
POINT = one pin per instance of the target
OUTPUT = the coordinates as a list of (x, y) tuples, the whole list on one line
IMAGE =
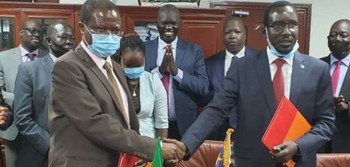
[(32, 31), (104, 31), (281, 26)]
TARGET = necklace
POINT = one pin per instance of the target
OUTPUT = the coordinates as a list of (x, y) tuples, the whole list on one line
[(133, 88)]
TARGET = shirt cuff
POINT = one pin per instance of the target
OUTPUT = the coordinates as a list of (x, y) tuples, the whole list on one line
[(179, 75)]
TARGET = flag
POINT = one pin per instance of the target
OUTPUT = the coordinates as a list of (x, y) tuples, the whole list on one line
[(224, 157), (157, 158), (287, 124)]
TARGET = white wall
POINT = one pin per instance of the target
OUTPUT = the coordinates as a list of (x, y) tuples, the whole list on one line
[(324, 13)]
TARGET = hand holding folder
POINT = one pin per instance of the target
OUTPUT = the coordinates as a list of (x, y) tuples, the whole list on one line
[(287, 124)]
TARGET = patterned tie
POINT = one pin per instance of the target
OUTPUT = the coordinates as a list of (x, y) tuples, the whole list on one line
[(31, 56), (335, 76), (166, 76), (115, 87), (278, 81)]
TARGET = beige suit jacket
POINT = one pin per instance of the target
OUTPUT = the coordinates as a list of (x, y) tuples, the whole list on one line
[(87, 127)]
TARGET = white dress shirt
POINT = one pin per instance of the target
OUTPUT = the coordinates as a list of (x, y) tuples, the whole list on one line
[(100, 62), (229, 56), (343, 69), (286, 70)]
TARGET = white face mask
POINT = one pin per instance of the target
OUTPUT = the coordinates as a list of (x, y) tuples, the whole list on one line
[(281, 55)]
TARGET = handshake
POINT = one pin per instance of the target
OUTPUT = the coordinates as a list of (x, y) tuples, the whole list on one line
[(173, 151)]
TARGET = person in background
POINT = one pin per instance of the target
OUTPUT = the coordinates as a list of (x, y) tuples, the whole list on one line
[(32, 93), (339, 61), (180, 65), (255, 85), (91, 115), (28, 50), (218, 65), (147, 91)]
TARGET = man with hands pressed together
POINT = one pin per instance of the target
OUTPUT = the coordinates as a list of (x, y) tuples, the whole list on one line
[(91, 116), (180, 65), (256, 84), (339, 61)]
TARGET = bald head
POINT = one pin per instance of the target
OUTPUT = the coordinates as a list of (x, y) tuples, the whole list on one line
[(60, 38), (339, 39), (30, 35), (234, 34)]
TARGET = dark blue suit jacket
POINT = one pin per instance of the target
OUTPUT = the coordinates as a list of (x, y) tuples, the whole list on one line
[(248, 87), (341, 140), (31, 97), (194, 85), (216, 73)]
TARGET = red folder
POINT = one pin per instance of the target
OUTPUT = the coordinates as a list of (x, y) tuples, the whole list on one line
[(127, 160), (287, 124)]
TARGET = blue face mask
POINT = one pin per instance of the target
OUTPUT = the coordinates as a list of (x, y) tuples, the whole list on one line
[(281, 55), (135, 72), (104, 45)]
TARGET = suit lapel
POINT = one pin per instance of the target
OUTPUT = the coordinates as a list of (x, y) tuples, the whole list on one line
[(152, 55), (93, 67), (180, 49), (221, 68), (345, 88), (122, 79), (263, 70), (298, 77)]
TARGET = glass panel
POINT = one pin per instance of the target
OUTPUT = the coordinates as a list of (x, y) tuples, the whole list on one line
[(6, 33), (146, 31)]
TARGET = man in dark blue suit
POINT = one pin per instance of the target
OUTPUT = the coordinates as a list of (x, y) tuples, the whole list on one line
[(180, 65), (218, 65), (339, 60), (256, 84), (31, 97)]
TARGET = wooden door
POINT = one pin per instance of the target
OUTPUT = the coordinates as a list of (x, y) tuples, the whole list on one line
[(253, 13)]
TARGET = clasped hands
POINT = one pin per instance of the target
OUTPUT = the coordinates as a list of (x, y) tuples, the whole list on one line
[(173, 151), (168, 64), (4, 111), (341, 105)]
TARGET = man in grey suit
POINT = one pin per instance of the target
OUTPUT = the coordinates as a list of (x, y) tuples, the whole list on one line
[(256, 84), (339, 61), (31, 97), (9, 61)]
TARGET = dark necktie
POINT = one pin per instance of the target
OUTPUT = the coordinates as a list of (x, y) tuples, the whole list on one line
[(31, 56), (115, 87), (166, 76), (335, 76), (278, 81)]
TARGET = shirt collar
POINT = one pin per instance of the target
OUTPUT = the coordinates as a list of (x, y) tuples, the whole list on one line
[(273, 57), (162, 44), (98, 60), (345, 60), (24, 51), (54, 58), (240, 54)]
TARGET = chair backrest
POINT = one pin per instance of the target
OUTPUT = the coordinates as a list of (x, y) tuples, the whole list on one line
[(205, 156)]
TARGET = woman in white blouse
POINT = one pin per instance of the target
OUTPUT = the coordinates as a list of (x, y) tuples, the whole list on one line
[(147, 91)]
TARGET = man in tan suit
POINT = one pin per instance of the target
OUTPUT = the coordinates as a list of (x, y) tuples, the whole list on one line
[(91, 116)]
